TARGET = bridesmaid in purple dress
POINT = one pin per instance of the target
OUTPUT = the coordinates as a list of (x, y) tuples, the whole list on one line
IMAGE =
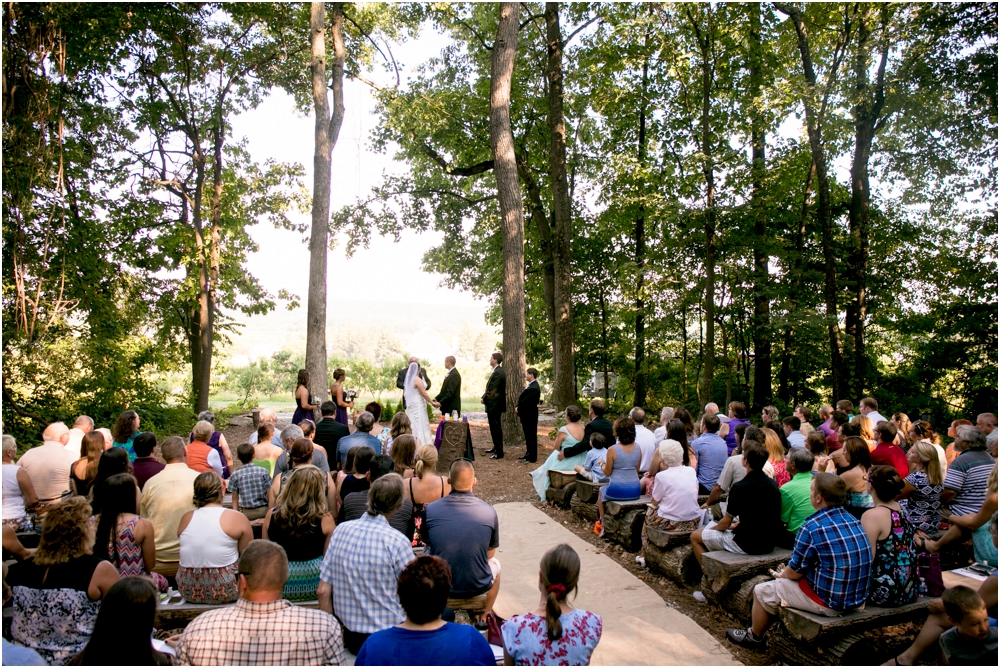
[(340, 396), (303, 409)]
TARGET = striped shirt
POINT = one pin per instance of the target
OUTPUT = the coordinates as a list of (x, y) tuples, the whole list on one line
[(967, 475), (276, 633)]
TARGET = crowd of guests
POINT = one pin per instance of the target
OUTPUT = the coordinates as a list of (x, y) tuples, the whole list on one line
[(343, 519)]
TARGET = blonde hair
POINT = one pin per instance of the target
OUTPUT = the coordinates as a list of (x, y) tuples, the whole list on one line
[(203, 431), (927, 452), (302, 500), (403, 449), (864, 425), (67, 532), (427, 459), (207, 489), (399, 425), (775, 451)]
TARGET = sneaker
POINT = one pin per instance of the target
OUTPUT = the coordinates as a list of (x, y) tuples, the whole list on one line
[(745, 638), (598, 529), (641, 560)]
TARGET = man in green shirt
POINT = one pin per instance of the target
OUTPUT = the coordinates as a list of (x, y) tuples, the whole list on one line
[(795, 505)]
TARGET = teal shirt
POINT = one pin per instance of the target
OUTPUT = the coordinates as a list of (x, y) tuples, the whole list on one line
[(795, 505)]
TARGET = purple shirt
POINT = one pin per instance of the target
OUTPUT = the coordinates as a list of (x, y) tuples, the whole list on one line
[(731, 436), (144, 468), (826, 428)]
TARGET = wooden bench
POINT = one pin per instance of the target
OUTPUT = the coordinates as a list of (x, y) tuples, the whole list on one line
[(561, 497), (729, 578), (560, 479), (179, 615), (476, 604), (587, 490), (585, 511), (670, 553), (856, 638), (623, 522)]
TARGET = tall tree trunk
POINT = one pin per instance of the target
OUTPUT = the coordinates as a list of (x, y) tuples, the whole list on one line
[(511, 214), (537, 210), (327, 130), (762, 392), (823, 210), (604, 342), (202, 375), (639, 398), (564, 381), (793, 305)]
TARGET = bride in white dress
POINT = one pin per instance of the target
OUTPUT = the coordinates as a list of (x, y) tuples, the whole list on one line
[(415, 393)]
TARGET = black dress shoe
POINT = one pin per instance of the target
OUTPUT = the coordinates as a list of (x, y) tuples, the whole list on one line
[(496, 456), (490, 451)]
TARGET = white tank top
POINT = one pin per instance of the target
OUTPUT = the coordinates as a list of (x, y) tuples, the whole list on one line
[(204, 544), (13, 500)]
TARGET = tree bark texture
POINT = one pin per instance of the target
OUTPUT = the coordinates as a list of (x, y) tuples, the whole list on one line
[(564, 380), (784, 377), (511, 214), (639, 398), (327, 129)]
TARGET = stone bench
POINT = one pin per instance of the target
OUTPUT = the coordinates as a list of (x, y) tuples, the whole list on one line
[(867, 637), (670, 553), (729, 578), (623, 522)]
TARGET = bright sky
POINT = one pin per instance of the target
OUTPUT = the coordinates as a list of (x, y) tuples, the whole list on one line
[(276, 130)]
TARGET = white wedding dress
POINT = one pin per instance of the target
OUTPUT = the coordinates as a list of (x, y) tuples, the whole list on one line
[(416, 407)]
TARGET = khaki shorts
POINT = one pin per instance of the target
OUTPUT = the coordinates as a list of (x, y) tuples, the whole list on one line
[(254, 513), (495, 568), (786, 593)]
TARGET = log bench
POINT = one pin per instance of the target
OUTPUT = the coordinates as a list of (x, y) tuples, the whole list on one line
[(856, 638), (729, 578), (179, 615), (476, 604), (588, 491), (670, 553), (561, 496), (585, 511), (623, 522), (561, 479)]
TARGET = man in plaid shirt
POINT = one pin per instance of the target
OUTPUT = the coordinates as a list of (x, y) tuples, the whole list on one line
[(262, 629), (829, 570), (362, 563)]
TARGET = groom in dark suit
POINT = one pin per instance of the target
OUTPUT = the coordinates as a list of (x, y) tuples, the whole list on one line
[(495, 400), (450, 396), (527, 412)]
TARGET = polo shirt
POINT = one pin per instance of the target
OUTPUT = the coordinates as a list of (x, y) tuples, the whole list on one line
[(462, 529), (889, 454), (796, 439), (967, 475), (796, 507), (757, 502), (48, 467), (450, 645), (165, 498), (358, 438), (712, 453)]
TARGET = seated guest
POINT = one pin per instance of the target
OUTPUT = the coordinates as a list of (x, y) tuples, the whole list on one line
[(950, 452), (828, 573), (308, 428), (775, 455), (555, 633), (113, 461), (58, 592), (621, 465), (674, 503), (593, 465), (973, 640), (424, 488), (400, 425), (779, 432), (853, 462), (361, 567), (734, 470), (329, 431), (364, 423), (124, 432), (598, 424), (791, 426), (289, 435), (356, 503), (737, 417), (816, 444), (666, 415), (249, 484), (569, 438), (211, 539), (901, 421), (302, 524), (267, 416), (894, 560), (887, 453), (424, 639), (355, 482), (12, 544), (756, 501), (15, 655), (922, 488), (378, 430), (711, 452), (82, 426), (643, 438), (869, 408), (983, 547), (18, 490), (201, 457), (465, 532), (145, 465), (217, 441), (965, 483), (300, 453), (938, 621), (48, 464), (265, 453), (165, 499), (124, 627), (769, 414), (837, 420), (84, 470), (404, 453), (921, 430), (262, 629), (796, 506), (825, 411), (847, 406), (124, 538), (867, 430)]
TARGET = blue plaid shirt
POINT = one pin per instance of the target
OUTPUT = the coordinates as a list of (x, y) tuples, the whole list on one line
[(250, 482), (833, 552), (362, 563)]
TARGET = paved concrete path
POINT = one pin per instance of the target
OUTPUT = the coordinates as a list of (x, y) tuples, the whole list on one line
[(639, 629)]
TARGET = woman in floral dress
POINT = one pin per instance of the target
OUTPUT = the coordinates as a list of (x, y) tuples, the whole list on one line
[(894, 580)]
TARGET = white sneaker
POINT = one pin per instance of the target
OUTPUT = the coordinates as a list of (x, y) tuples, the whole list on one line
[(641, 560)]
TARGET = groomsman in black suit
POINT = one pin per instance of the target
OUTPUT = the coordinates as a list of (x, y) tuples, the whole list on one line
[(527, 412), (495, 400), (450, 396)]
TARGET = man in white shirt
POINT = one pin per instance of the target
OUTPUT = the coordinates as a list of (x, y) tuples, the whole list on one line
[(643, 438), (869, 408), (792, 426), (48, 464), (83, 426)]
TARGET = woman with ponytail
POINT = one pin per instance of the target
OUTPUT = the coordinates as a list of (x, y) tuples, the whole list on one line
[(556, 633)]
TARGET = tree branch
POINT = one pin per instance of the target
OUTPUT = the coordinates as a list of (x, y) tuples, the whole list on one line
[(478, 168), (575, 32)]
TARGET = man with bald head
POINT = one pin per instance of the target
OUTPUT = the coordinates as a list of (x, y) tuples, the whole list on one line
[(83, 426), (48, 464), (465, 532), (268, 416), (401, 376)]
